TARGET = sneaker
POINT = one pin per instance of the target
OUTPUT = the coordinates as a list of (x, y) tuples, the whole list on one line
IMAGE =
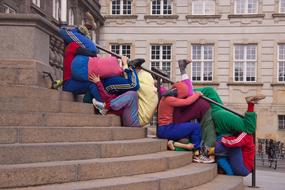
[(255, 99), (203, 159), (99, 106)]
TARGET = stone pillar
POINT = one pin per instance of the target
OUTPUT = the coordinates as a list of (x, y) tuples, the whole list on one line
[(29, 45)]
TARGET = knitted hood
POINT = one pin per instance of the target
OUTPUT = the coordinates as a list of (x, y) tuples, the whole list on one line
[(182, 89)]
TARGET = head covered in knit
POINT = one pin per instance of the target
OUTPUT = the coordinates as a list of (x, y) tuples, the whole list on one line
[(182, 89)]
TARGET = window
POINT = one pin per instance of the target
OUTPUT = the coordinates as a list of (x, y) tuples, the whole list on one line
[(37, 2), (281, 62), (245, 63), (56, 8), (121, 49), (121, 7), (161, 58), (203, 7), (8, 10), (70, 17), (246, 6), (281, 121), (202, 62), (161, 7), (282, 6)]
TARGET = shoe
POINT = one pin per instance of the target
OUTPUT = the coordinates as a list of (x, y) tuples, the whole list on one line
[(182, 63), (171, 92), (170, 145), (99, 106), (136, 62), (90, 23), (203, 159), (255, 99)]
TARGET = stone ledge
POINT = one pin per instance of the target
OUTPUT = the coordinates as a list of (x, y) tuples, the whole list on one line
[(246, 16), (161, 16), (205, 83), (121, 16), (203, 16), (278, 84), (245, 84), (277, 15)]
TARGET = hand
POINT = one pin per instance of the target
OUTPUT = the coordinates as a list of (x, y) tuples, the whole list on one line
[(199, 93), (94, 78), (124, 60)]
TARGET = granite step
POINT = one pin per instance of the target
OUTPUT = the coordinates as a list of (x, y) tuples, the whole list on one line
[(19, 104), (32, 92), (10, 135), (222, 182), (57, 119), (44, 152), (173, 179), (82, 170)]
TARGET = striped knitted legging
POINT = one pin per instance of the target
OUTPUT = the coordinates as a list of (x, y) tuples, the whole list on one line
[(127, 101)]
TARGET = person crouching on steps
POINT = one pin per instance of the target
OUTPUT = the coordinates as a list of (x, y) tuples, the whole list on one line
[(167, 129)]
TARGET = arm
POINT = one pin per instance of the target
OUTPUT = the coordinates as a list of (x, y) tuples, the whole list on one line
[(84, 51), (178, 102), (241, 140)]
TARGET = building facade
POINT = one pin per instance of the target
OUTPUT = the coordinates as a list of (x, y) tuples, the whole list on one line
[(236, 46)]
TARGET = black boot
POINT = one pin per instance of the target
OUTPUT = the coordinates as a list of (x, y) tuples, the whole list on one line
[(136, 62), (171, 92)]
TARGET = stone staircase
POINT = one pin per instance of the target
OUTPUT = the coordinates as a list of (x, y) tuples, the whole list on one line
[(48, 141)]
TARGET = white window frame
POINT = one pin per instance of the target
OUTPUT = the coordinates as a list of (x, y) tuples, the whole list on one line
[(244, 61), (281, 119), (56, 9), (202, 60), (280, 7), (161, 8), (121, 48), (121, 8), (37, 2), (278, 62), (161, 60), (246, 7), (204, 7), (71, 17), (8, 9)]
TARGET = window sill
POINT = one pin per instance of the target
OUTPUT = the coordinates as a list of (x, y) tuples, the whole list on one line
[(277, 15), (161, 17), (205, 83), (245, 84), (246, 16), (278, 84), (203, 16), (121, 16)]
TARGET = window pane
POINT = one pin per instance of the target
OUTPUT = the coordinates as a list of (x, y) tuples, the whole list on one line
[(250, 71), (115, 49), (240, 6), (238, 75), (282, 6), (208, 75), (167, 7), (115, 7), (252, 6), (197, 7), (126, 50), (196, 71), (208, 52), (281, 121), (127, 7), (155, 9), (166, 67), (166, 52), (155, 52), (239, 52), (196, 52), (282, 51), (209, 7), (281, 71), (251, 53)]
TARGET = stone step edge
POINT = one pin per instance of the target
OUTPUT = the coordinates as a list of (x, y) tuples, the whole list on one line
[(180, 178), (82, 170), (222, 182), (35, 134)]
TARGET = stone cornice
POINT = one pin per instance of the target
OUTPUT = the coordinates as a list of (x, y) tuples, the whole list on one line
[(245, 84), (277, 15), (121, 16), (278, 84), (203, 16), (246, 16), (161, 16), (205, 83)]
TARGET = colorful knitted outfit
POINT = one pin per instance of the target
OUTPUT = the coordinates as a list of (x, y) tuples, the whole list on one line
[(175, 131)]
